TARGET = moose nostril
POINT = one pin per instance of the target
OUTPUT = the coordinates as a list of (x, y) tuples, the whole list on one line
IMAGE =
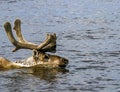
[(65, 61)]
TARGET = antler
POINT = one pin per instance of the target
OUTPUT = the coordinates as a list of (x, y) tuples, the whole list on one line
[(49, 45)]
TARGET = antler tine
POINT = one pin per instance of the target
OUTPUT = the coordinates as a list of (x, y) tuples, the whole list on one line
[(50, 38), (8, 30), (18, 45), (17, 28), (49, 44)]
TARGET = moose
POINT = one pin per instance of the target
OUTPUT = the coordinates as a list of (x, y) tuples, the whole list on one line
[(40, 57)]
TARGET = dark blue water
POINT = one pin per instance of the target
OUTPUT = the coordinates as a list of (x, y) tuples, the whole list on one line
[(88, 34)]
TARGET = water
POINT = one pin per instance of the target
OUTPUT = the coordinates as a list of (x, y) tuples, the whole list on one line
[(88, 34)]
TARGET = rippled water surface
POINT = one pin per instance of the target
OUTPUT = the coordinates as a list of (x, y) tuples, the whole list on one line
[(88, 34)]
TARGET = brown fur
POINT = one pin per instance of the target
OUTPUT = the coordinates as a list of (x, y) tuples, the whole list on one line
[(5, 63), (42, 60)]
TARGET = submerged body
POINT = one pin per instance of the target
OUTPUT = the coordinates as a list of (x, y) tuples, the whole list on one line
[(40, 60)]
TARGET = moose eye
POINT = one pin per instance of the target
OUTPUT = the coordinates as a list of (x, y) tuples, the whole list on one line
[(46, 57)]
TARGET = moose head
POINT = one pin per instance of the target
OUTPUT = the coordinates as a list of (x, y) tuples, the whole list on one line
[(39, 57)]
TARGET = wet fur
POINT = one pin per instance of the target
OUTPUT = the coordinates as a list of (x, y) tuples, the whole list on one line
[(41, 60)]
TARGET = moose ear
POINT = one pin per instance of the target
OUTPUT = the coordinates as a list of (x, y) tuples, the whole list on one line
[(35, 53)]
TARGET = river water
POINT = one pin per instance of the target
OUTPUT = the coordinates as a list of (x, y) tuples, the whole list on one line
[(88, 34)]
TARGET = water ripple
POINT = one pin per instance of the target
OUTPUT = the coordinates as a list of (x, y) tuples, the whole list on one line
[(88, 35)]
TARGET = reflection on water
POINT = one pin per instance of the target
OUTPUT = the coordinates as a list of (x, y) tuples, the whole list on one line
[(25, 79), (88, 34), (47, 74)]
